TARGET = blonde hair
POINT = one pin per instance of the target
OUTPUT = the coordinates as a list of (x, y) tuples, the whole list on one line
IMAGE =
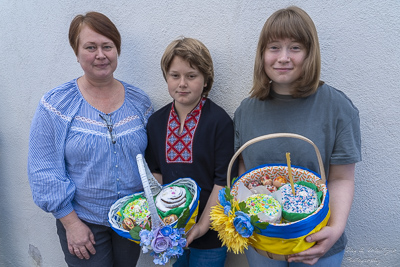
[(195, 53), (293, 23)]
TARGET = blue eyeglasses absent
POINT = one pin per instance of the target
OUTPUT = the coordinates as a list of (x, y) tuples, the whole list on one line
[(108, 121)]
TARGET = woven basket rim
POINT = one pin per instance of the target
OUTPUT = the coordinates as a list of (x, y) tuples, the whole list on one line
[(114, 209), (321, 186)]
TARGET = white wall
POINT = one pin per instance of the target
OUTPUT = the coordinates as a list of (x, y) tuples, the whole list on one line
[(360, 55)]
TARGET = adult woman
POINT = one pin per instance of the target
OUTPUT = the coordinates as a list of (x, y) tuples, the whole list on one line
[(287, 96), (83, 142)]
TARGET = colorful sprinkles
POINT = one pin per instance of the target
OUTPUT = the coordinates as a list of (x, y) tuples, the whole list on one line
[(305, 200), (138, 210), (263, 203)]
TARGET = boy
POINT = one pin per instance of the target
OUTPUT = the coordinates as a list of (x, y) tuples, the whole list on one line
[(192, 137)]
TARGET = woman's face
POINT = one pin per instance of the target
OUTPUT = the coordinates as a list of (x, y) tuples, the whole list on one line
[(97, 54), (283, 64)]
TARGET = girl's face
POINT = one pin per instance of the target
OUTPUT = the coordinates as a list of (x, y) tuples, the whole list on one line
[(283, 64), (97, 54), (185, 84)]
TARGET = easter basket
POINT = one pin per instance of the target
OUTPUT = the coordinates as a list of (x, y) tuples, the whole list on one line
[(273, 240), (151, 189)]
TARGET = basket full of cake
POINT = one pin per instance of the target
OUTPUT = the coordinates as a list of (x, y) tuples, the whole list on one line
[(159, 217), (272, 207)]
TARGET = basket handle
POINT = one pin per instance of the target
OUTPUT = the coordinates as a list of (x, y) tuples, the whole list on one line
[(145, 175), (271, 136)]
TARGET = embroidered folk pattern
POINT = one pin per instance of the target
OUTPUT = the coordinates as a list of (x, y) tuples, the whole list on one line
[(103, 125), (179, 147), (54, 110)]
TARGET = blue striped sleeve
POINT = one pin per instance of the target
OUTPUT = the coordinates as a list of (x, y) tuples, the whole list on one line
[(52, 190)]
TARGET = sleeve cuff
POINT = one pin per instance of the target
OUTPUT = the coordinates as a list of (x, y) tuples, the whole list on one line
[(64, 211)]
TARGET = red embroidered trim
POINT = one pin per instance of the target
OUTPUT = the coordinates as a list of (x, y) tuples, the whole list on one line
[(179, 147)]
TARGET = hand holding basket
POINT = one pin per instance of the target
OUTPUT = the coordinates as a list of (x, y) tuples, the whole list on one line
[(166, 241), (276, 240)]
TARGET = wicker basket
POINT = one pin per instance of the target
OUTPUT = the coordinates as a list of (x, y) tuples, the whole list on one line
[(281, 239), (152, 187)]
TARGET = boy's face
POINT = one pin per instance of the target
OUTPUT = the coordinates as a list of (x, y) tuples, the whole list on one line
[(185, 84)]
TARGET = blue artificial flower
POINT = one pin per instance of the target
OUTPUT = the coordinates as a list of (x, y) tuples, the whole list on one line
[(174, 251), (161, 259), (144, 233), (164, 243), (175, 235), (227, 209), (242, 224), (166, 230), (222, 199), (174, 243), (160, 243), (145, 237), (179, 251), (181, 231), (182, 242)]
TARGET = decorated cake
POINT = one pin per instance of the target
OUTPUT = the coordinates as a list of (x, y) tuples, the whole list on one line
[(266, 205), (171, 197), (172, 201), (137, 210), (304, 201)]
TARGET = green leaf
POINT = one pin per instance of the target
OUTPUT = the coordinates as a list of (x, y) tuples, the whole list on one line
[(262, 225), (134, 232), (243, 207), (254, 219), (228, 195), (233, 180), (257, 230), (182, 220)]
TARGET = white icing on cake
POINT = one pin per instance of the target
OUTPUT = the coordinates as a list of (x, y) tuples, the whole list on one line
[(171, 197)]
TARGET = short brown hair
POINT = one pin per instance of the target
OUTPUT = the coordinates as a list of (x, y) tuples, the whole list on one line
[(99, 23), (194, 52), (293, 23)]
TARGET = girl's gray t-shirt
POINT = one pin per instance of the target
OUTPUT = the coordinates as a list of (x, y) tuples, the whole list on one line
[(328, 118)]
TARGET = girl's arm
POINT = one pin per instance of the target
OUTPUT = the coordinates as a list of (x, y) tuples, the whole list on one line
[(341, 191), (241, 167)]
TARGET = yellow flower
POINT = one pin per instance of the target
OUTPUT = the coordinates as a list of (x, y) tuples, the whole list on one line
[(227, 233)]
